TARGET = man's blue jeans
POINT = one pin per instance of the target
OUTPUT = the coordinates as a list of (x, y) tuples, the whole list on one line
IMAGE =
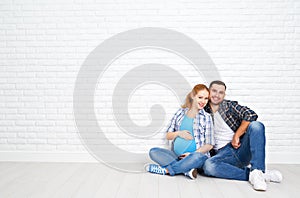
[(169, 160), (230, 163)]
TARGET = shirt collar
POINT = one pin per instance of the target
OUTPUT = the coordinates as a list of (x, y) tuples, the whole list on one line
[(201, 111)]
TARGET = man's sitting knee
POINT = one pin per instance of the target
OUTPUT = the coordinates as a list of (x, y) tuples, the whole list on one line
[(209, 167), (257, 126)]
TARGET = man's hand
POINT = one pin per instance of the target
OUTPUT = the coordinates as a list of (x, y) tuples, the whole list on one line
[(185, 135), (235, 142)]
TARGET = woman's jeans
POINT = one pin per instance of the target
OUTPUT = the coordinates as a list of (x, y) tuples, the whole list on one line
[(230, 163), (169, 160)]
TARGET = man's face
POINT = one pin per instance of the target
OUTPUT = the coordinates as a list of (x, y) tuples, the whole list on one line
[(217, 94)]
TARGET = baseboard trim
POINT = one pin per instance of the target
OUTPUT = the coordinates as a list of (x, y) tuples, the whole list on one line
[(271, 158), (47, 157), (283, 158)]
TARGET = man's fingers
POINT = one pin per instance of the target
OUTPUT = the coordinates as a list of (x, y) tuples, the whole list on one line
[(236, 146)]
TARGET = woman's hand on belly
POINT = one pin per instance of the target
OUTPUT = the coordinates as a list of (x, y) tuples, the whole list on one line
[(185, 134)]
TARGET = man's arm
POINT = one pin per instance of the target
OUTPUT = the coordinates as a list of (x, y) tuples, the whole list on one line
[(247, 115), (235, 142), (243, 112)]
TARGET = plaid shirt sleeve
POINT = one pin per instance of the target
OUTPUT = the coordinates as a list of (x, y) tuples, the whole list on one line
[(173, 126), (243, 112), (209, 131)]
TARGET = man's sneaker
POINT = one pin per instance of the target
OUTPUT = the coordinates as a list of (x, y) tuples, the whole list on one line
[(273, 176), (192, 174), (257, 179), (154, 168)]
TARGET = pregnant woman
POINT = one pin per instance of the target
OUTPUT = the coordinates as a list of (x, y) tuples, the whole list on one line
[(191, 130)]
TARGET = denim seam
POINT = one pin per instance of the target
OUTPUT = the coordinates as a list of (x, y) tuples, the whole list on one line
[(240, 164)]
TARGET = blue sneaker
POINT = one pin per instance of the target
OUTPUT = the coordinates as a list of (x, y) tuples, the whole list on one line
[(154, 168)]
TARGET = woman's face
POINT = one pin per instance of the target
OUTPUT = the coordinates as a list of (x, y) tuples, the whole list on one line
[(200, 99)]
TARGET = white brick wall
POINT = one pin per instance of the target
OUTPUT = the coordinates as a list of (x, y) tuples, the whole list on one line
[(254, 44)]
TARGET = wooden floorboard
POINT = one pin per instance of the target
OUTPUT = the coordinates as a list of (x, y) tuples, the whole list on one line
[(168, 186), (93, 180), (148, 186)]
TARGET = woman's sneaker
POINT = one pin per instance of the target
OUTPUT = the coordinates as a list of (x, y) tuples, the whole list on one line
[(154, 168), (192, 174)]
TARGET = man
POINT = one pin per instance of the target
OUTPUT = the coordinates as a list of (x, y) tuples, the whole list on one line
[(239, 141)]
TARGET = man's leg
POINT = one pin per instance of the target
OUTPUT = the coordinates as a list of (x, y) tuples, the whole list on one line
[(225, 164), (253, 145), (232, 163), (257, 142)]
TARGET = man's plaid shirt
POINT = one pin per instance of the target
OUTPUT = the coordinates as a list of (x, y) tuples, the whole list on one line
[(233, 113)]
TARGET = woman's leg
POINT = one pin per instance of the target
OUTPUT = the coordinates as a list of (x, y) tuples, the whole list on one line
[(193, 160), (162, 156)]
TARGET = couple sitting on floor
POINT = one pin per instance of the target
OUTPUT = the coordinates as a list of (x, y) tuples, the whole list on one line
[(216, 136)]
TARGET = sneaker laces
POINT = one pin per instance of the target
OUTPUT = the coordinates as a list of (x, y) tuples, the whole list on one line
[(156, 169)]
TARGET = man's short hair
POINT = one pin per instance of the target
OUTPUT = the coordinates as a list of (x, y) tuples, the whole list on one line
[(217, 82)]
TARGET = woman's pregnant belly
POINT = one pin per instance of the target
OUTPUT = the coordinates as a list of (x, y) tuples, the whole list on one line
[(182, 145)]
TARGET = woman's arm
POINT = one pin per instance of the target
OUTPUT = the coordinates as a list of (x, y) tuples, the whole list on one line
[(204, 149), (183, 134), (172, 135)]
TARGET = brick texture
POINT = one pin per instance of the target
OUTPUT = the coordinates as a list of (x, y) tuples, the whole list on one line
[(255, 46)]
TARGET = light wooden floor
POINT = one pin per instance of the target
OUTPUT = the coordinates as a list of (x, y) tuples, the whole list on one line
[(87, 180)]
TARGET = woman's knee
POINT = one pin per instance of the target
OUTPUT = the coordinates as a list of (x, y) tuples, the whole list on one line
[(153, 151)]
